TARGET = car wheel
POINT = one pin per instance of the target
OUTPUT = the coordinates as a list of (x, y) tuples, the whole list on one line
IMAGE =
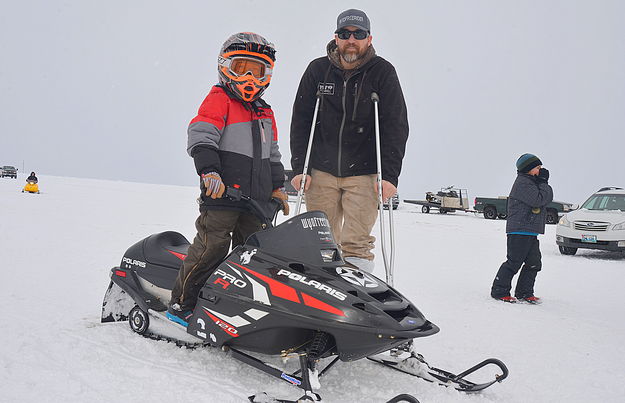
[(425, 209), (490, 213), (552, 217), (502, 216), (442, 211), (565, 250)]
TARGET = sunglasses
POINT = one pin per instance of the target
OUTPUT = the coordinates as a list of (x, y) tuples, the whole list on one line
[(358, 34)]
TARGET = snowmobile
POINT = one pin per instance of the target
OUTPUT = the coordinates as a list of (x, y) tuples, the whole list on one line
[(286, 292), (31, 187)]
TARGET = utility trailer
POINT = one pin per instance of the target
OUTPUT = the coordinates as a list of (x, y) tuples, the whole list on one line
[(446, 200)]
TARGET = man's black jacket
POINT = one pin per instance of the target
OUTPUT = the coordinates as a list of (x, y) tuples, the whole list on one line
[(344, 138)]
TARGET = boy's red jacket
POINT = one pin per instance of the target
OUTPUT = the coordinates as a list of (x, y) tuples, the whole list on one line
[(240, 143)]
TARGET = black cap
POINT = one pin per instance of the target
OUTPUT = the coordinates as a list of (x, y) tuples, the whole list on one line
[(527, 162)]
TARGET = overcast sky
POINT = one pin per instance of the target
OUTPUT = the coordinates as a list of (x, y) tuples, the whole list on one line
[(106, 89)]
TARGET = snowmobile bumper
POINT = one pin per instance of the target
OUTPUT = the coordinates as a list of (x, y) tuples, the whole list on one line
[(123, 293)]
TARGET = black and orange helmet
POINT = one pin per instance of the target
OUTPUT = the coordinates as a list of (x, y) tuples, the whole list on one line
[(245, 65)]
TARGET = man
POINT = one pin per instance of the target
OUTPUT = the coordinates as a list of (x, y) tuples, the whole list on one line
[(234, 142), (527, 215), (342, 181)]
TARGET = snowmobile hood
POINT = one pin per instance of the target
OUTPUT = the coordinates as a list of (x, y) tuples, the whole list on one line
[(281, 276)]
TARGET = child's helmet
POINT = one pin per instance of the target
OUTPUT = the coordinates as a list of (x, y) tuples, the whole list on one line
[(245, 65)]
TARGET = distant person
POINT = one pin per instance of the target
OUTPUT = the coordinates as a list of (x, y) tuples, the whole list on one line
[(233, 141), (32, 178), (526, 219), (342, 181)]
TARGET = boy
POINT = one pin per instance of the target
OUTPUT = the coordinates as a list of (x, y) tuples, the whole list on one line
[(526, 219), (233, 142)]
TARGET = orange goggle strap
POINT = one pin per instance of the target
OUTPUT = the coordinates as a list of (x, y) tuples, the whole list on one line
[(247, 53)]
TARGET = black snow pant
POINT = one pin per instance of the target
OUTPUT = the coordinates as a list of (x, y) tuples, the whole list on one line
[(523, 250), (215, 230)]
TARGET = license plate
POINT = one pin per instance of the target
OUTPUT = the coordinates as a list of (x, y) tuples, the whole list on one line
[(589, 238)]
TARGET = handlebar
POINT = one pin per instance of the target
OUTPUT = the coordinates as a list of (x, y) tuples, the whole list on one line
[(235, 194)]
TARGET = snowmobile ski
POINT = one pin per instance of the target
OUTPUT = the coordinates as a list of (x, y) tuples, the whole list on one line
[(414, 364), (265, 398)]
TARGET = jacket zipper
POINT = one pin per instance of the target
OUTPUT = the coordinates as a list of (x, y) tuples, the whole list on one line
[(256, 156), (341, 128)]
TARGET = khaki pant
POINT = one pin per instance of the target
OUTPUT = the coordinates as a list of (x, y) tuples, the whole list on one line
[(215, 230), (351, 205)]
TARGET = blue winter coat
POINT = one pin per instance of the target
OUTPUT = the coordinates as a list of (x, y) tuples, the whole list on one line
[(526, 205)]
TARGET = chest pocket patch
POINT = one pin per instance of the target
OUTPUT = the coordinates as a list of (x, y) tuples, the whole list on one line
[(326, 88)]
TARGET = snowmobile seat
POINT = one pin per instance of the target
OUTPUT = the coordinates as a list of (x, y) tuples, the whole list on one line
[(166, 249)]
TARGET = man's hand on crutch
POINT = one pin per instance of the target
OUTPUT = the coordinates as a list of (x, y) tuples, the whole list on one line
[(297, 182), (388, 190)]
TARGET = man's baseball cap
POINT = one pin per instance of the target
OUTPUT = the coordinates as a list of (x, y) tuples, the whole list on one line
[(353, 17)]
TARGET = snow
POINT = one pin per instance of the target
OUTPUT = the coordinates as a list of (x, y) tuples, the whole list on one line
[(57, 248)]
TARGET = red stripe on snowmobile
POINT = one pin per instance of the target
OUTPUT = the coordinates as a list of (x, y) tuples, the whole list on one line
[(178, 255), (277, 288), (315, 303), (225, 326)]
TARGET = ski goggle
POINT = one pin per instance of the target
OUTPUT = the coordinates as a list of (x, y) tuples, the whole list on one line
[(359, 34), (241, 66)]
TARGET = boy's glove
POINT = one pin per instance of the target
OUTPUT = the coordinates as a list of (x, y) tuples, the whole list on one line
[(281, 195), (214, 186), (543, 175)]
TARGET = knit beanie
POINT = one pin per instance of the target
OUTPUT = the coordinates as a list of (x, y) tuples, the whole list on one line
[(527, 162)]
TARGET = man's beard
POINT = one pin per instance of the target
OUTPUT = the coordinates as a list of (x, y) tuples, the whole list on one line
[(351, 57)]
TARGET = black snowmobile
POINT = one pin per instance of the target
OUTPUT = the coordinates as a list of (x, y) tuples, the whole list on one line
[(285, 292)]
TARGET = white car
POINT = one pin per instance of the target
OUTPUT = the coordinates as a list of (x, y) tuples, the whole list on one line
[(598, 224)]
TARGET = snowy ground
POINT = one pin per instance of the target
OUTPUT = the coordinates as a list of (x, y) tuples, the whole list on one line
[(56, 250)]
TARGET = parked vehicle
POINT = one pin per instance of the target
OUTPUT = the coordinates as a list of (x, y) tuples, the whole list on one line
[(598, 224), (9, 171), (493, 208)]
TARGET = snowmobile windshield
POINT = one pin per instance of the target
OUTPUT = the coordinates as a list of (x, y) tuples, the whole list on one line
[(306, 238)]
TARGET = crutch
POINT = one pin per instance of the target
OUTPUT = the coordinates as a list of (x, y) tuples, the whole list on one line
[(389, 261), (300, 192)]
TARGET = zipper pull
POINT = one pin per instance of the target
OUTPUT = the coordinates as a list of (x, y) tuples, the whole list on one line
[(262, 131)]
